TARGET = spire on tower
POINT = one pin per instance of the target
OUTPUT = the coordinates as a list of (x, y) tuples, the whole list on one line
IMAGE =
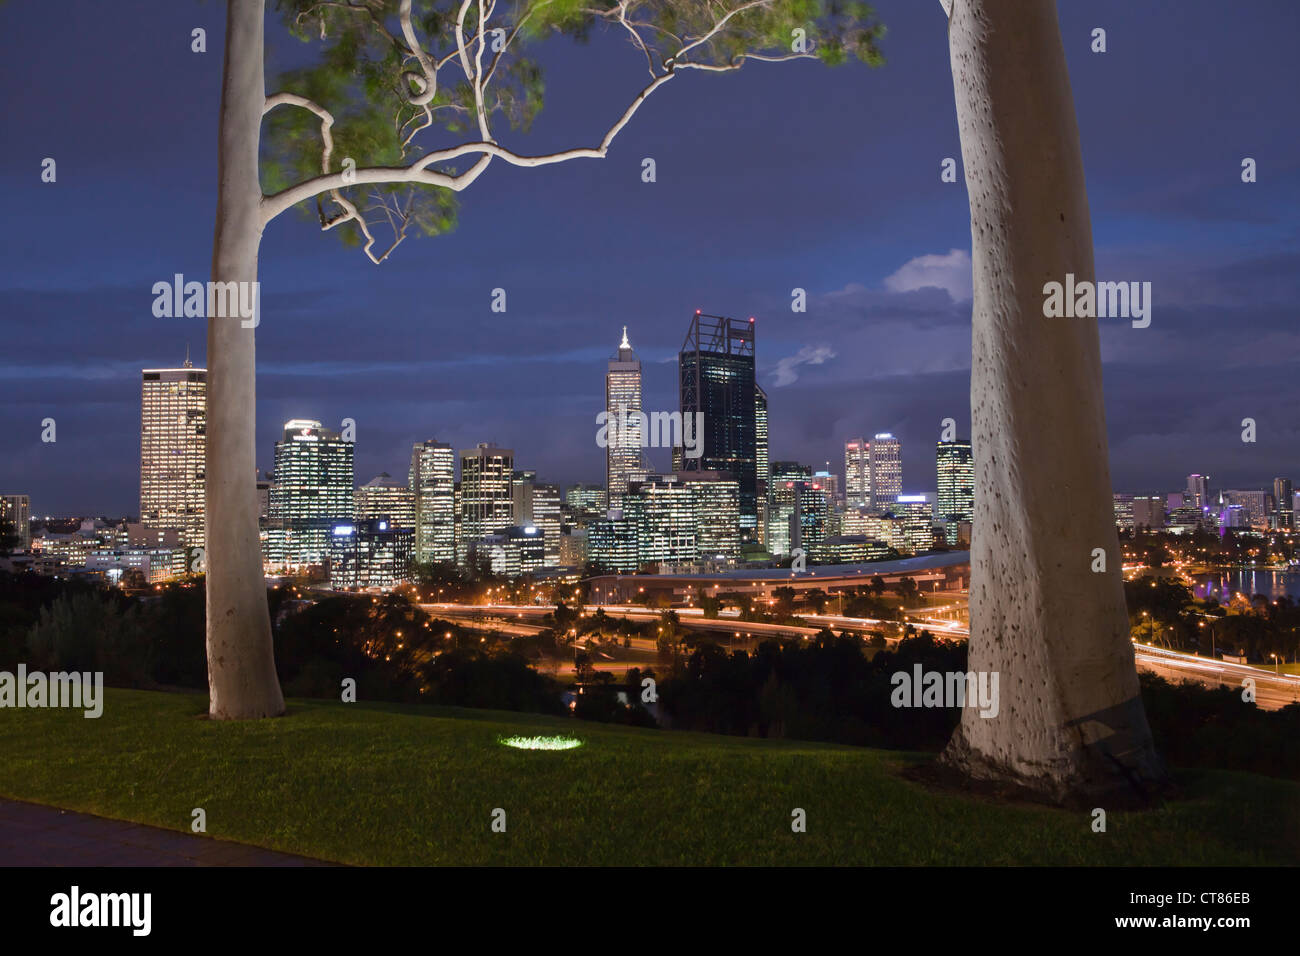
[(187, 355), (625, 344)]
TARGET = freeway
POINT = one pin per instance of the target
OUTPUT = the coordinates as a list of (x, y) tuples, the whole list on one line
[(1272, 691)]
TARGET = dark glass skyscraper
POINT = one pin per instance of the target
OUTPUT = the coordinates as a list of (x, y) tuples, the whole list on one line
[(716, 374)]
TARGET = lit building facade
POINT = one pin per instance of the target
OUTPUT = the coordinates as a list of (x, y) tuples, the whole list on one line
[(173, 448), (625, 422), (857, 473), (716, 381), (385, 497), (486, 495), (432, 481), (369, 554), (16, 514), (955, 474), (885, 457), (313, 492)]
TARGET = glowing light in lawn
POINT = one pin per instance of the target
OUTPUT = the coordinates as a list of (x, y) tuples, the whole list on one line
[(542, 743)]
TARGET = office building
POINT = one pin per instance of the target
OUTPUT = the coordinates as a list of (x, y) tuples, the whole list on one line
[(370, 553), (486, 495), (857, 473), (313, 492), (385, 497), (612, 543), (917, 514), (625, 422), (173, 448), (16, 519), (537, 504), (715, 503), (885, 460), (431, 479), (1284, 517), (716, 381), (955, 501)]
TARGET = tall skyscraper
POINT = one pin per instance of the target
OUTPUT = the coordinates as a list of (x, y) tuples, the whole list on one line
[(313, 491), (886, 470), (955, 501), (432, 480), (486, 495), (763, 467), (1285, 498), (1198, 491), (623, 462), (857, 472), (716, 379), (173, 443)]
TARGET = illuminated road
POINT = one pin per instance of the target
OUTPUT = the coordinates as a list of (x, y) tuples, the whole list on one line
[(1272, 691)]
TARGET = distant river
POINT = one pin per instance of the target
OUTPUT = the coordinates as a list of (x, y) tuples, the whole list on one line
[(1269, 583)]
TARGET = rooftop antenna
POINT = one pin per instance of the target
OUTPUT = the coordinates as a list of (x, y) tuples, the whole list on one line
[(187, 355)]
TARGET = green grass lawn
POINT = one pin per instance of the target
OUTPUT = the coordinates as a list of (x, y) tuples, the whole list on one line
[(402, 785)]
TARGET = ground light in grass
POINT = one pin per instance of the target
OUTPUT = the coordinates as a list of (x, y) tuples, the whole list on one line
[(541, 743)]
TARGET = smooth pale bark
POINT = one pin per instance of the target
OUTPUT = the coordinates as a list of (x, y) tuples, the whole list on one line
[(242, 681), (1071, 725)]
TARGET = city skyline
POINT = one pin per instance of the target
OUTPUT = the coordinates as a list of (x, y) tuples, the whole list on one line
[(343, 338)]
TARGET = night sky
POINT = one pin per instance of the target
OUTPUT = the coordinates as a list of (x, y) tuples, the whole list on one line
[(775, 177)]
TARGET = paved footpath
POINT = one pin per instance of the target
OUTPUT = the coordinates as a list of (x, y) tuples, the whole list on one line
[(35, 835)]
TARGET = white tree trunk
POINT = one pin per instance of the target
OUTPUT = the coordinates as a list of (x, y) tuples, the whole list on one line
[(1071, 726), (242, 681)]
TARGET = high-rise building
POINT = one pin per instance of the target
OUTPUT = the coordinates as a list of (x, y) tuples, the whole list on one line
[(432, 480), (612, 543), (626, 424), (1122, 505), (369, 554), (16, 516), (1284, 517), (799, 510), (715, 501), (385, 497), (917, 514), (830, 483), (857, 472), (1255, 505), (763, 465), (313, 492), (1148, 511), (885, 456), (716, 380), (586, 502), (955, 468), (662, 514), (537, 505), (1198, 491), (486, 495), (173, 446)]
